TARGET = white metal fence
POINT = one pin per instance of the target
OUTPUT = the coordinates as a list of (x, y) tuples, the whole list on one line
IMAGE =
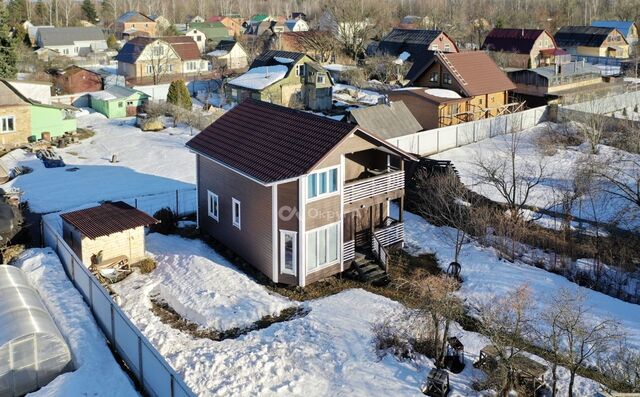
[(434, 141), (153, 373), (608, 104)]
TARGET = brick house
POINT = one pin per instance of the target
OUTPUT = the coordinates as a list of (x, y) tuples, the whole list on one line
[(134, 24), (75, 79)]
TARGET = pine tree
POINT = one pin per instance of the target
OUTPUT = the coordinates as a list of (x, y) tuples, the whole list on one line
[(89, 11), (112, 42), (178, 94), (8, 67)]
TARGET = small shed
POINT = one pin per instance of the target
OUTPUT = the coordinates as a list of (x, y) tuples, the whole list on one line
[(33, 352), (110, 230), (116, 101)]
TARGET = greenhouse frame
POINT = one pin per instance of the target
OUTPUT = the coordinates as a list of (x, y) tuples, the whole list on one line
[(33, 352)]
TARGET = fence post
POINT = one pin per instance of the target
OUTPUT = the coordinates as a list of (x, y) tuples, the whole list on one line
[(177, 204), (140, 361)]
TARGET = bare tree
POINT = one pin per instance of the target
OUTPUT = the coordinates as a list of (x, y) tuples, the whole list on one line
[(512, 174), (582, 337), (321, 44), (507, 321)]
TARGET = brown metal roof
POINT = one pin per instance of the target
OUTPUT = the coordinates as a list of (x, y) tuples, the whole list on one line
[(480, 73), (107, 218), (268, 142), (185, 46)]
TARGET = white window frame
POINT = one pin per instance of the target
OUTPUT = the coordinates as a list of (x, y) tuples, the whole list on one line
[(2, 122), (308, 250), (149, 69), (319, 195), (235, 215), (447, 47), (284, 270), (213, 211), (320, 79), (435, 47), (301, 69)]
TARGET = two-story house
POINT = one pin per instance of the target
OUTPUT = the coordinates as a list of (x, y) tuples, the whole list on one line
[(456, 88), (524, 48), (160, 58), (413, 42), (295, 194), (72, 41), (285, 78), (135, 24), (592, 41), (628, 28)]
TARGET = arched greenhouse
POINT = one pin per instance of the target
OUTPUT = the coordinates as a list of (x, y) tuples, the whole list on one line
[(32, 350)]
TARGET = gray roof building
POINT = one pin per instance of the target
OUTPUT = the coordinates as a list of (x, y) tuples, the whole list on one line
[(387, 121), (51, 37)]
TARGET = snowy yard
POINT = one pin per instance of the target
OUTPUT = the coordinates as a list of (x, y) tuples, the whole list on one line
[(353, 95), (148, 163), (559, 169), (96, 371), (485, 276)]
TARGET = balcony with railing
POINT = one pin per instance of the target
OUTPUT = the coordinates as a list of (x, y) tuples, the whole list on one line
[(380, 182)]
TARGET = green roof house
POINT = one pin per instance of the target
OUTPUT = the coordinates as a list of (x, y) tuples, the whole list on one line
[(261, 18), (213, 31), (115, 101)]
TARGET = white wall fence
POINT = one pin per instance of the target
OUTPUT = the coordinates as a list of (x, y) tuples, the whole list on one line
[(434, 141), (608, 104), (181, 201), (79, 100), (153, 373)]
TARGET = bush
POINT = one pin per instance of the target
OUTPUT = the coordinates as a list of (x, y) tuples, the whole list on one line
[(168, 221), (389, 339), (147, 265)]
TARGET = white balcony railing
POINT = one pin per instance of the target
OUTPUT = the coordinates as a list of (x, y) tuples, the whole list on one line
[(349, 250), (370, 187), (391, 234)]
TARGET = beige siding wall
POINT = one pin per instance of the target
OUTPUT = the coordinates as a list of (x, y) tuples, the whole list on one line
[(129, 243), (253, 240), (21, 124)]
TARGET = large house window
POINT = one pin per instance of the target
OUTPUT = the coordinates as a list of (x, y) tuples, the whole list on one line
[(158, 50), (434, 77), (446, 78), (322, 246), (212, 205), (149, 69), (236, 213), (288, 251), (322, 183), (8, 124)]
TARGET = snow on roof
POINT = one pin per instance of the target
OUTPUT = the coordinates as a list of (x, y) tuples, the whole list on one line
[(336, 67), (218, 53), (442, 93), (283, 60), (402, 58), (102, 95), (260, 77)]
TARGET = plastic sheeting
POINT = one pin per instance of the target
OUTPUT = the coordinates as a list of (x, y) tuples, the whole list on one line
[(32, 350)]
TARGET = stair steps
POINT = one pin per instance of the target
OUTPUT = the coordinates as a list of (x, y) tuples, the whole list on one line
[(367, 270)]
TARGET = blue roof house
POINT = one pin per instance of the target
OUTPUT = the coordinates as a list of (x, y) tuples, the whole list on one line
[(628, 28)]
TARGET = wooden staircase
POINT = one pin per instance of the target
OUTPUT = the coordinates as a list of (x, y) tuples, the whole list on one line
[(368, 270)]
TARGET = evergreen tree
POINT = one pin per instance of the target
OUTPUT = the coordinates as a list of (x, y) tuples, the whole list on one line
[(8, 67), (112, 42), (89, 11), (178, 94), (17, 11)]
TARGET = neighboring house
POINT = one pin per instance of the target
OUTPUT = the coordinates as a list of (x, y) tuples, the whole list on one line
[(106, 232), (159, 58), (261, 18), (431, 107), (39, 91), (75, 79), (473, 76), (162, 23), (387, 121), (413, 22), (592, 41), (524, 48), (229, 54), (284, 78), (22, 118), (32, 31), (298, 15), (199, 37), (555, 80), (296, 25), (72, 41), (134, 24), (214, 32), (413, 42), (629, 30), (116, 102), (194, 19), (233, 25), (299, 202)]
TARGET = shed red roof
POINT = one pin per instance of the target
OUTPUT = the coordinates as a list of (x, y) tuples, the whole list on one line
[(107, 218)]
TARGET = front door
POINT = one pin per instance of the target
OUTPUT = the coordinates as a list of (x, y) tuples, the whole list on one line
[(288, 252)]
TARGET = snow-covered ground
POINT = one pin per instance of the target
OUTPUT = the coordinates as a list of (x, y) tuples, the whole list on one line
[(351, 94), (148, 163), (559, 169), (96, 371), (486, 276), (201, 285)]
